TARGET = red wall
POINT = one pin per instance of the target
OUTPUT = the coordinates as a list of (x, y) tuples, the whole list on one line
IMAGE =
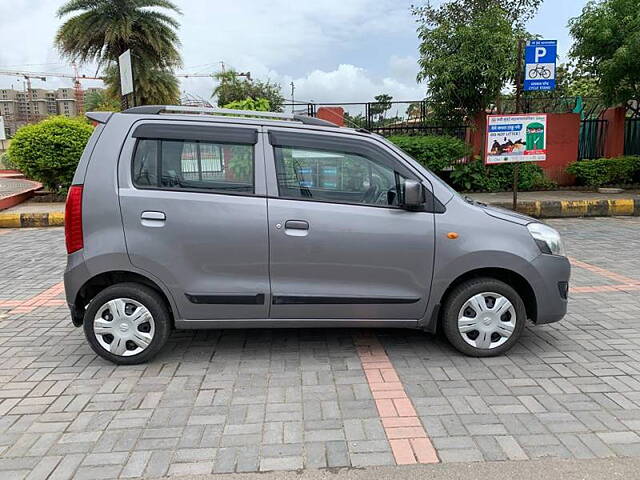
[(332, 114), (563, 132), (614, 141), (562, 146)]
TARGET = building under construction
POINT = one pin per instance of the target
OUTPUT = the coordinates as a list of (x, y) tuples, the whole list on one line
[(29, 106)]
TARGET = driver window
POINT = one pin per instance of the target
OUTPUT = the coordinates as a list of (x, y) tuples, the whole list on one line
[(334, 176)]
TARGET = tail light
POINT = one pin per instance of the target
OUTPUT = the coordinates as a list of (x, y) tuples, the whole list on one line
[(73, 219)]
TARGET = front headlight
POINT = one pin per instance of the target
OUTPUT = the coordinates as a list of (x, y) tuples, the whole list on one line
[(547, 238)]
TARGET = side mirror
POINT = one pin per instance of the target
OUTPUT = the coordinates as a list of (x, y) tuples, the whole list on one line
[(414, 194)]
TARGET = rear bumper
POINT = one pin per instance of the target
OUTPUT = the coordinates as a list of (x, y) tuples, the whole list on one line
[(75, 276), (552, 275)]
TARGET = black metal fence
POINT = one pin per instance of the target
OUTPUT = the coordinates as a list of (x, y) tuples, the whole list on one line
[(388, 118), (417, 117), (632, 136), (593, 133)]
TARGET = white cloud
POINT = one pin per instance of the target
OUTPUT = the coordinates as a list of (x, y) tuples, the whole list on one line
[(334, 50)]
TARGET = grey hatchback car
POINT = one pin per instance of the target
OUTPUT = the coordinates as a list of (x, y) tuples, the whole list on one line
[(182, 217)]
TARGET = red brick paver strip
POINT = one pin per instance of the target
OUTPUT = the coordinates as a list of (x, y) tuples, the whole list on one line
[(626, 283), (46, 298), (408, 439)]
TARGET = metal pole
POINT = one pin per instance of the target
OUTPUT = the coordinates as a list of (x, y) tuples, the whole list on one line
[(516, 167), (293, 98)]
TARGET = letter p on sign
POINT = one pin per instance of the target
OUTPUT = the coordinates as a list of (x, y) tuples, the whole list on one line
[(541, 52)]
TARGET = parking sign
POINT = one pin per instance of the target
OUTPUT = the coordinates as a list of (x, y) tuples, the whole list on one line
[(540, 65)]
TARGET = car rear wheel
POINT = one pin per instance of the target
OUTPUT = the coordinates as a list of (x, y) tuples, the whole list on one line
[(483, 317), (127, 323)]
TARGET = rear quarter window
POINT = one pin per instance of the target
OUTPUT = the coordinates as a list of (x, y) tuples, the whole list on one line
[(193, 165)]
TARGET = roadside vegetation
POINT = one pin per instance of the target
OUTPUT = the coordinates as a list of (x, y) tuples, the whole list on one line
[(49, 151), (607, 171)]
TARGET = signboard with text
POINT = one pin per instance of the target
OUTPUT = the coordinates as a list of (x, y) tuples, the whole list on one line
[(3, 135), (540, 65), (516, 138)]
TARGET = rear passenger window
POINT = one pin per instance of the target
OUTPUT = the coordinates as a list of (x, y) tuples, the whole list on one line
[(193, 165)]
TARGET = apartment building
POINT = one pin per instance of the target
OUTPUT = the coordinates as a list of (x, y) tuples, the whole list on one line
[(20, 107)]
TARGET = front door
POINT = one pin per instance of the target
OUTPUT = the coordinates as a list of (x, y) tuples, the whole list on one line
[(195, 216), (341, 247)]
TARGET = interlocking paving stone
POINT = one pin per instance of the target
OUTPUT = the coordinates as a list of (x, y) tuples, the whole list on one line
[(252, 400)]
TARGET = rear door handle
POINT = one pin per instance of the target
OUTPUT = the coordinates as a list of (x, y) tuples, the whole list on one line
[(152, 219), (296, 225)]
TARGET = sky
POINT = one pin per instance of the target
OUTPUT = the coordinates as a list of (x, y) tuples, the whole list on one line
[(333, 50)]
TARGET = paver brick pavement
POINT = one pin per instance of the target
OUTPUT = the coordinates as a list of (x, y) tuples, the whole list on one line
[(259, 400)]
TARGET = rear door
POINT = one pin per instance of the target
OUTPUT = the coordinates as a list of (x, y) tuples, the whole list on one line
[(341, 246), (192, 197)]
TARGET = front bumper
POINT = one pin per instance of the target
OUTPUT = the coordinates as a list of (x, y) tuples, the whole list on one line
[(551, 277)]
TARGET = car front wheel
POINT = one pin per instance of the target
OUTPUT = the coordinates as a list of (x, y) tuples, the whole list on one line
[(483, 317)]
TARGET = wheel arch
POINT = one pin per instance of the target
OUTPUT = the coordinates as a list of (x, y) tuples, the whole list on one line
[(99, 282), (514, 279)]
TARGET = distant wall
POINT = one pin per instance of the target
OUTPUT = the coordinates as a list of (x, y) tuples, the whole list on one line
[(332, 114), (614, 141)]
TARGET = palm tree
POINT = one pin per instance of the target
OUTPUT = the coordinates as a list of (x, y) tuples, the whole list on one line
[(101, 30), (153, 86)]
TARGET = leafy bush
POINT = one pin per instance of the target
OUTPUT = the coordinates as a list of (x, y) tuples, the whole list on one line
[(434, 152), (475, 175), (606, 171), (6, 163), (259, 104), (49, 151)]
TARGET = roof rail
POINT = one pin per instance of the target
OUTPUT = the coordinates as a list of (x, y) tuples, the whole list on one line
[(158, 109)]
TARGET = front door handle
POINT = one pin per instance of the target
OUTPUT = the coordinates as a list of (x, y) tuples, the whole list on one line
[(296, 225), (296, 228), (152, 219)]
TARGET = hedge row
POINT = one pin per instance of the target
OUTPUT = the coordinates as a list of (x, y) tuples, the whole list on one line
[(606, 171), (440, 154)]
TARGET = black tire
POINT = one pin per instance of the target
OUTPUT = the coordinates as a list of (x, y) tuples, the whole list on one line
[(460, 295), (147, 297)]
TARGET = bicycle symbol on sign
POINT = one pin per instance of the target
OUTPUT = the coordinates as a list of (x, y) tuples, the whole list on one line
[(539, 71)]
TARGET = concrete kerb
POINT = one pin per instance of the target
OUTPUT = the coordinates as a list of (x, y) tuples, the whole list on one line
[(26, 220), (577, 208), (537, 209)]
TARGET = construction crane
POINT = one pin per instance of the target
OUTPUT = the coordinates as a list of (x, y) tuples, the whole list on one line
[(75, 76), (77, 85)]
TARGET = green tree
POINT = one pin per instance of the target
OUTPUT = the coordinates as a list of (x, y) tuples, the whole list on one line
[(153, 86), (233, 87), (101, 30), (49, 151), (606, 45), (468, 52), (414, 110), (259, 105), (356, 121), (101, 101), (381, 105)]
